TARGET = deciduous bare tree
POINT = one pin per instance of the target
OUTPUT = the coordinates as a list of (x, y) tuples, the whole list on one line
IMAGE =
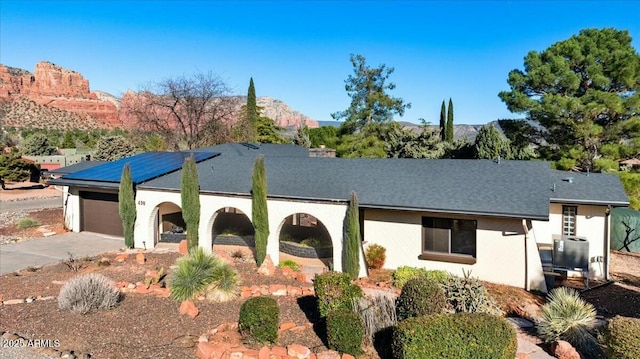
[(189, 112)]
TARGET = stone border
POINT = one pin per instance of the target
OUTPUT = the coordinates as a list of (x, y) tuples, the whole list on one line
[(298, 250), (232, 240)]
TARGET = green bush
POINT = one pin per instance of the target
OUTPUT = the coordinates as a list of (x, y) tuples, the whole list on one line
[(195, 273), (420, 296), (404, 273), (291, 264), (375, 256), (335, 291), (621, 338), (468, 295), (345, 331), (567, 317), (27, 222), (259, 317), (455, 336)]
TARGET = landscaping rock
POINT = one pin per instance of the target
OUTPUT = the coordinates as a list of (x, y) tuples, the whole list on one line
[(347, 356), (564, 350), (298, 351), (267, 268), (121, 258), (188, 308), (140, 259), (205, 350), (264, 353), (182, 247), (286, 326), (13, 301), (329, 354)]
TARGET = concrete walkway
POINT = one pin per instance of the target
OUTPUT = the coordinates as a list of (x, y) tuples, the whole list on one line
[(40, 251)]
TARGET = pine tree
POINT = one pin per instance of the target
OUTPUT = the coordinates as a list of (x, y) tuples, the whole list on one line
[(259, 214), (127, 205), (190, 194), (352, 239), (449, 135)]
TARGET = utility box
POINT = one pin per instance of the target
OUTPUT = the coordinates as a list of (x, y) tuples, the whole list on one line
[(571, 252)]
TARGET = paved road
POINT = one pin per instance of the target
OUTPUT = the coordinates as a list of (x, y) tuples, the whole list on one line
[(31, 204), (40, 251)]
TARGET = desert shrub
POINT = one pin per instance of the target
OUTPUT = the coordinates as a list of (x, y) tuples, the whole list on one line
[(467, 295), (27, 222), (420, 296), (404, 273), (335, 291), (314, 243), (462, 335), (568, 317), (259, 317), (345, 331), (376, 313), (621, 338), (225, 284), (291, 264), (88, 292), (375, 256), (194, 275)]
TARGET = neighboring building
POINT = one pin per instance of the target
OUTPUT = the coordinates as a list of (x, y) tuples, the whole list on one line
[(479, 215)]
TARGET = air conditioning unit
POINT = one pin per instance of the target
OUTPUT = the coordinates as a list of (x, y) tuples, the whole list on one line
[(571, 252)]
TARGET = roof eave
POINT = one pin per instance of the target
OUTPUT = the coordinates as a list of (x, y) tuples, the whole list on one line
[(542, 217), (590, 202)]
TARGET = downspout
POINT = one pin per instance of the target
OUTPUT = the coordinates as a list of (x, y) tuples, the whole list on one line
[(607, 242), (527, 285)]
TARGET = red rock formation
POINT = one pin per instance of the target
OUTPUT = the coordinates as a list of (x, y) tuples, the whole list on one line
[(54, 86)]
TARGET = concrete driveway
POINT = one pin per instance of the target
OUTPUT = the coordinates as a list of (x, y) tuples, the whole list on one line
[(40, 251)]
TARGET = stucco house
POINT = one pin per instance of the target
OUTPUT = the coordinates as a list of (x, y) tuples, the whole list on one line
[(494, 218)]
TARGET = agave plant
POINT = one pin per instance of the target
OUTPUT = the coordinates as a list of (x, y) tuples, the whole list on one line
[(568, 317)]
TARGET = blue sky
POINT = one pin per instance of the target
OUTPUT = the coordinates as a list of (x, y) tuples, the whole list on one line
[(298, 51)]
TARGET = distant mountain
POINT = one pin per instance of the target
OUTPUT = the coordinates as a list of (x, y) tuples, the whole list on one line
[(57, 98), (58, 93)]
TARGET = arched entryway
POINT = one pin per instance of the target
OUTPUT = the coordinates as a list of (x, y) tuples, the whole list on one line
[(231, 226), (170, 226), (305, 240)]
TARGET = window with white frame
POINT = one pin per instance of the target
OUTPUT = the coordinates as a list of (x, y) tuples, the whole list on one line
[(569, 214), (448, 236)]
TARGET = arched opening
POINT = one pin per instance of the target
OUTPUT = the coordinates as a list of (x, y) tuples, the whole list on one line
[(305, 240), (170, 226), (232, 227)]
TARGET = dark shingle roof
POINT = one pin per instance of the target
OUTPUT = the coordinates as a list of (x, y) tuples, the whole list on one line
[(254, 149), (592, 188), (75, 167), (511, 188)]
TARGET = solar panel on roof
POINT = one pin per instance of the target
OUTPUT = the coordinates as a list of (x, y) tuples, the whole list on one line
[(144, 166)]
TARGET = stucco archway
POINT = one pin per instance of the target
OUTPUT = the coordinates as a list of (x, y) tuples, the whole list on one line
[(304, 238), (169, 224), (231, 226)]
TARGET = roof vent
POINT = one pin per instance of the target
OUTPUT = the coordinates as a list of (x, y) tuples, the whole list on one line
[(568, 179), (250, 146)]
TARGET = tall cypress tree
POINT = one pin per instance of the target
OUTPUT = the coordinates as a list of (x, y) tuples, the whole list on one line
[(352, 239), (443, 122), (259, 214), (190, 195), (127, 205), (252, 112), (449, 136)]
